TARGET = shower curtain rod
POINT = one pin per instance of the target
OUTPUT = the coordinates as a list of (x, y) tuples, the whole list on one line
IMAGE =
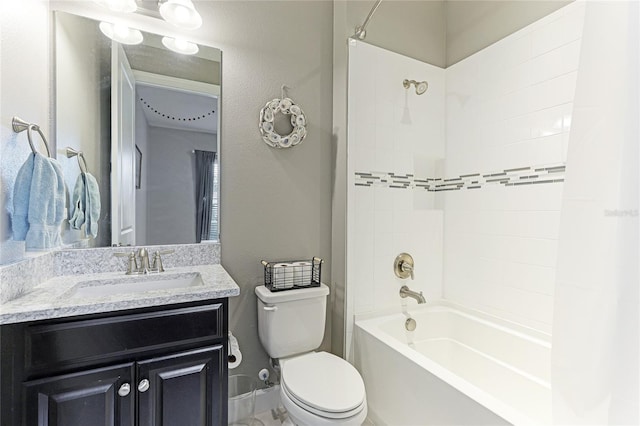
[(361, 30)]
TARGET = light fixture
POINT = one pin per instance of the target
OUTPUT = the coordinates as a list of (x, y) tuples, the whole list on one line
[(179, 45), (125, 6), (181, 13), (121, 33)]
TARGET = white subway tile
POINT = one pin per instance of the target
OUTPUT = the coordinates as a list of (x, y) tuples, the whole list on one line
[(382, 245), (557, 91), (530, 278), (533, 251), (384, 140), (548, 122), (531, 224), (383, 198)]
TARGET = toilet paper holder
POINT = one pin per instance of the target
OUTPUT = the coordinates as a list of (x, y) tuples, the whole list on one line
[(234, 356)]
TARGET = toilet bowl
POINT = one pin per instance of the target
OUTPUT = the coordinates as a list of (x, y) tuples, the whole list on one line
[(319, 388), (316, 388)]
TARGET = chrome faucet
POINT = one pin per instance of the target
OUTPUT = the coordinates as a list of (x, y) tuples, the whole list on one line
[(406, 292)]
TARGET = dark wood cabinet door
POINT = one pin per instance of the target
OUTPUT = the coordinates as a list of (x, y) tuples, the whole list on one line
[(81, 399), (184, 389)]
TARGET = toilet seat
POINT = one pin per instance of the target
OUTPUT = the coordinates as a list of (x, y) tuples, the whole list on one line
[(323, 384)]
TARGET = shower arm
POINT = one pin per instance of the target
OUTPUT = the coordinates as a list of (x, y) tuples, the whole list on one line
[(361, 30)]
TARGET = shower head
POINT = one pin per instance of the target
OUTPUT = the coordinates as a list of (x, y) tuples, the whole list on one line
[(421, 86)]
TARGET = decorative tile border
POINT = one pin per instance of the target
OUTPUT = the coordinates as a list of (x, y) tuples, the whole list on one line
[(531, 175)]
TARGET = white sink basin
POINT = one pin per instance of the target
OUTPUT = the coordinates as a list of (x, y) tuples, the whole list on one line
[(134, 285)]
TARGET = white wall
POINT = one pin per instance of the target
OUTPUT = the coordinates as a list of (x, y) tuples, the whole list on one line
[(170, 172), (24, 90), (509, 106), (391, 130)]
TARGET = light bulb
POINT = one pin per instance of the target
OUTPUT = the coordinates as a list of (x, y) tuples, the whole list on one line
[(180, 46), (181, 13), (121, 33)]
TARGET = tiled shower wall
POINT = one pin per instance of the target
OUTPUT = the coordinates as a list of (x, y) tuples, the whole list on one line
[(480, 216), (392, 130), (509, 106)]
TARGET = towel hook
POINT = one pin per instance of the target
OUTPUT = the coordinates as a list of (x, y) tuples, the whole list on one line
[(283, 91), (19, 125), (70, 152)]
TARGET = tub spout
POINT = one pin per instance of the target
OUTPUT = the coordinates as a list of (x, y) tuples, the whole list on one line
[(406, 292)]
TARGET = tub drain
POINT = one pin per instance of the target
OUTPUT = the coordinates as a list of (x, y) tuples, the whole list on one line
[(410, 324)]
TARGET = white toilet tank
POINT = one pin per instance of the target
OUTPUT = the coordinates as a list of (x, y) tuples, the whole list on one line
[(291, 322)]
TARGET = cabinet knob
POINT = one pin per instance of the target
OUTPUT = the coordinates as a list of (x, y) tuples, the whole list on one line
[(143, 386), (124, 389)]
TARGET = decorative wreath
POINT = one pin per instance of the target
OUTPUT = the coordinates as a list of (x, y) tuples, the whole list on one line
[(298, 121)]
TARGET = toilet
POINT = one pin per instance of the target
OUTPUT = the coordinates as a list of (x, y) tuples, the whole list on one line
[(316, 388)]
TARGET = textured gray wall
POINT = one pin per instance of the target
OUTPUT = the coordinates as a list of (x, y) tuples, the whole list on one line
[(275, 204), (412, 28)]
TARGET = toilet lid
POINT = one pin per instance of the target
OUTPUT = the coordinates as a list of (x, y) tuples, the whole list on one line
[(325, 382)]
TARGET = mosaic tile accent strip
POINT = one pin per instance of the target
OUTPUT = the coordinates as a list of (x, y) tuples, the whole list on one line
[(531, 175)]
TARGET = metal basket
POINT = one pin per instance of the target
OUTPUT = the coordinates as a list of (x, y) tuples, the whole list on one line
[(292, 274)]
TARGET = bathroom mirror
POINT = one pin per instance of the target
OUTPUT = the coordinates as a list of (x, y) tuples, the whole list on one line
[(147, 121)]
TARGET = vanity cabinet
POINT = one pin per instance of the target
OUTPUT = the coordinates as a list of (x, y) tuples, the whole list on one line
[(153, 366)]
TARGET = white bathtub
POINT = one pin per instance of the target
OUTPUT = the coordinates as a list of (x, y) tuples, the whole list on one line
[(459, 367)]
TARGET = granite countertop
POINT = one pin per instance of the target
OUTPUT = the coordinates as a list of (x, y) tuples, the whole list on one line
[(57, 298)]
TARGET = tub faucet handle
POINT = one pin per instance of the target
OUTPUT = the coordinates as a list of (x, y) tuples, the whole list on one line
[(403, 266), (407, 268)]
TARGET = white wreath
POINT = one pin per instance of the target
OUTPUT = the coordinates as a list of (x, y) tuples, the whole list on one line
[(298, 121)]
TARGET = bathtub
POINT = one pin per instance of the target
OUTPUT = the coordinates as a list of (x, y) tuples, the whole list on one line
[(459, 367)]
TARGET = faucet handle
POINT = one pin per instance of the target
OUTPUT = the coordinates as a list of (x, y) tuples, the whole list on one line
[(132, 266), (406, 267), (157, 259), (403, 266)]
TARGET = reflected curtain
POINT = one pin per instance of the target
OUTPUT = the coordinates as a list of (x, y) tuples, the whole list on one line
[(204, 192), (595, 356)]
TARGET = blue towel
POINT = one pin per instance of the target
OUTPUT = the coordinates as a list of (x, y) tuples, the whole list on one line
[(38, 203), (85, 204)]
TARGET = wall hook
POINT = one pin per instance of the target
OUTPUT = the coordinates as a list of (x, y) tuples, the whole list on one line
[(283, 91)]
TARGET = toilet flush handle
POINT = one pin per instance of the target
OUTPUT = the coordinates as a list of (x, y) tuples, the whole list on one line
[(270, 308)]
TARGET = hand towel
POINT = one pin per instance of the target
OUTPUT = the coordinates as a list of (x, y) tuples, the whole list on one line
[(78, 203), (39, 198), (21, 193), (85, 204), (92, 212)]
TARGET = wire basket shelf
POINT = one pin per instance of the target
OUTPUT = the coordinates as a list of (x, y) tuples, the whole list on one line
[(292, 274)]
